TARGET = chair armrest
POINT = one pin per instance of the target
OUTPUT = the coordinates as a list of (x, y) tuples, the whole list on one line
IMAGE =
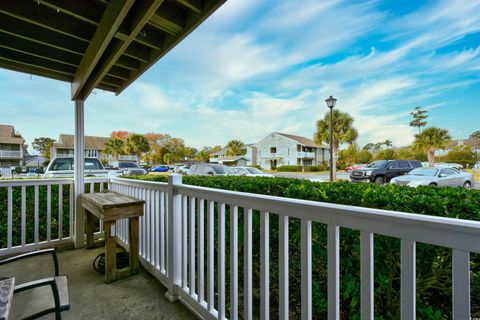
[(35, 253), (39, 283)]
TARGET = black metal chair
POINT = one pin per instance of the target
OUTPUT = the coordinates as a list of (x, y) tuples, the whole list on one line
[(37, 298)]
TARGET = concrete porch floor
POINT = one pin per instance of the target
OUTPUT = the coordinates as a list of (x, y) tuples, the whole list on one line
[(136, 297)]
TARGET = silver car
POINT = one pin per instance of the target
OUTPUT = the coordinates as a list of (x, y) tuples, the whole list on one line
[(441, 176)]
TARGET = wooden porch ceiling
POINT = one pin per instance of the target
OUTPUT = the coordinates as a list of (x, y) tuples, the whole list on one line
[(104, 44)]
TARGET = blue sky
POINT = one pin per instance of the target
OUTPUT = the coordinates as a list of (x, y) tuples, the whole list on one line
[(258, 66)]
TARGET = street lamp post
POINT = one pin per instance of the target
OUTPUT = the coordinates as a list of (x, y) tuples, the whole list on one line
[(331, 103)]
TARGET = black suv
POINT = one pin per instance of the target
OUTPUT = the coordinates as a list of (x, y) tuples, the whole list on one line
[(383, 170)]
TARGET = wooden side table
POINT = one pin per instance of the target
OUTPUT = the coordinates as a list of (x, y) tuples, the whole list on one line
[(110, 207)]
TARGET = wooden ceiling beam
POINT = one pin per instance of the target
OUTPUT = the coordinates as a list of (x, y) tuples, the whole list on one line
[(43, 36), (33, 70), (191, 23), (194, 5), (119, 72), (146, 37), (38, 50), (169, 18), (41, 63), (139, 15), (111, 20), (77, 9), (32, 12), (128, 63)]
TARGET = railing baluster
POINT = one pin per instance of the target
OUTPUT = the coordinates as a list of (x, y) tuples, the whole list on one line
[(49, 212), (155, 229), (92, 187), (192, 246), (24, 216), (264, 266), (9, 217), (70, 209), (366, 275), (210, 262), (247, 265), (306, 281), (408, 279), (60, 211), (461, 284), (333, 272), (283, 267), (162, 232), (201, 253), (233, 262), (184, 242), (146, 224), (221, 261), (35, 217)]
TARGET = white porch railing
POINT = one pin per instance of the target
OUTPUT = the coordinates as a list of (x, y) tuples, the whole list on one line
[(44, 204), (179, 248), (10, 154)]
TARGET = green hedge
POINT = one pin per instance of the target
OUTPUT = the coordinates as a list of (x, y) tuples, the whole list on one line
[(42, 213), (433, 263), (312, 168)]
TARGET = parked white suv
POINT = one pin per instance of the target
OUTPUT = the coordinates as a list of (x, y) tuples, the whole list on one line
[(63, 168)]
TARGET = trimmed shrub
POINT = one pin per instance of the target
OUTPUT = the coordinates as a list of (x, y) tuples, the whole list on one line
[(313, 168)]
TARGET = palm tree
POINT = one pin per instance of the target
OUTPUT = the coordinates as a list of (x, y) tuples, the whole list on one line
[(137, 144), (235, 148), (115, 147), (430, 140), (343, 132)]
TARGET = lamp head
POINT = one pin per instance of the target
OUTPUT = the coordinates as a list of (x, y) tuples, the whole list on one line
[(331, 102)]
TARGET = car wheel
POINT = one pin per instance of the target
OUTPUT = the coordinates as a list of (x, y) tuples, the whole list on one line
[(379, 180), (432, 185), (467, 185)]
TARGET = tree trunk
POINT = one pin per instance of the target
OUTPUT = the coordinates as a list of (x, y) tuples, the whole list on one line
[(431, 157)]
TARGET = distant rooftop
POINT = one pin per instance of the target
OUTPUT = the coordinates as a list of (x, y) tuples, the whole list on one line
[(7, 135), (302, 140), (66, 141)]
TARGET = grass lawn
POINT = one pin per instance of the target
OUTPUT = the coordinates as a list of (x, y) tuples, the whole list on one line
[(476, 174)]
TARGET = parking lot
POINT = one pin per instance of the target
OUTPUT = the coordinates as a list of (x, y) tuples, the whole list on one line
[(323, 177)]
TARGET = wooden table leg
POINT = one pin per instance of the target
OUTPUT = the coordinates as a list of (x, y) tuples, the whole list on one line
[(110, 252), (133, 245), (89, 230)]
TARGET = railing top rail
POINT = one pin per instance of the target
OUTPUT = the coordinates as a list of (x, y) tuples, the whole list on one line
[(33, 182), (442, 231), (162, 186), (43, 182)]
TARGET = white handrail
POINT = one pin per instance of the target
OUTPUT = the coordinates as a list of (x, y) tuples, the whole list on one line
[(198, 203), (178, 244)]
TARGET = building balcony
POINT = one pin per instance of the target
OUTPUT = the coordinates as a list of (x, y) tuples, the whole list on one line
[(306, 155), (10, 154), (204, 246)]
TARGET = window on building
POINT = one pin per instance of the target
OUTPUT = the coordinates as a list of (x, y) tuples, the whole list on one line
[(273, 150)]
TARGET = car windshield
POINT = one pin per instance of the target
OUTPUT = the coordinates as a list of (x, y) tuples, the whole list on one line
[(254, 171), (67, 164), (377, 164), (221, 169), (122, 165), (425, 172)]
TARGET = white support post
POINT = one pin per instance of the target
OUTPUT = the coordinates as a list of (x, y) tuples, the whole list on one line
[(79, 181), (174, 227)]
